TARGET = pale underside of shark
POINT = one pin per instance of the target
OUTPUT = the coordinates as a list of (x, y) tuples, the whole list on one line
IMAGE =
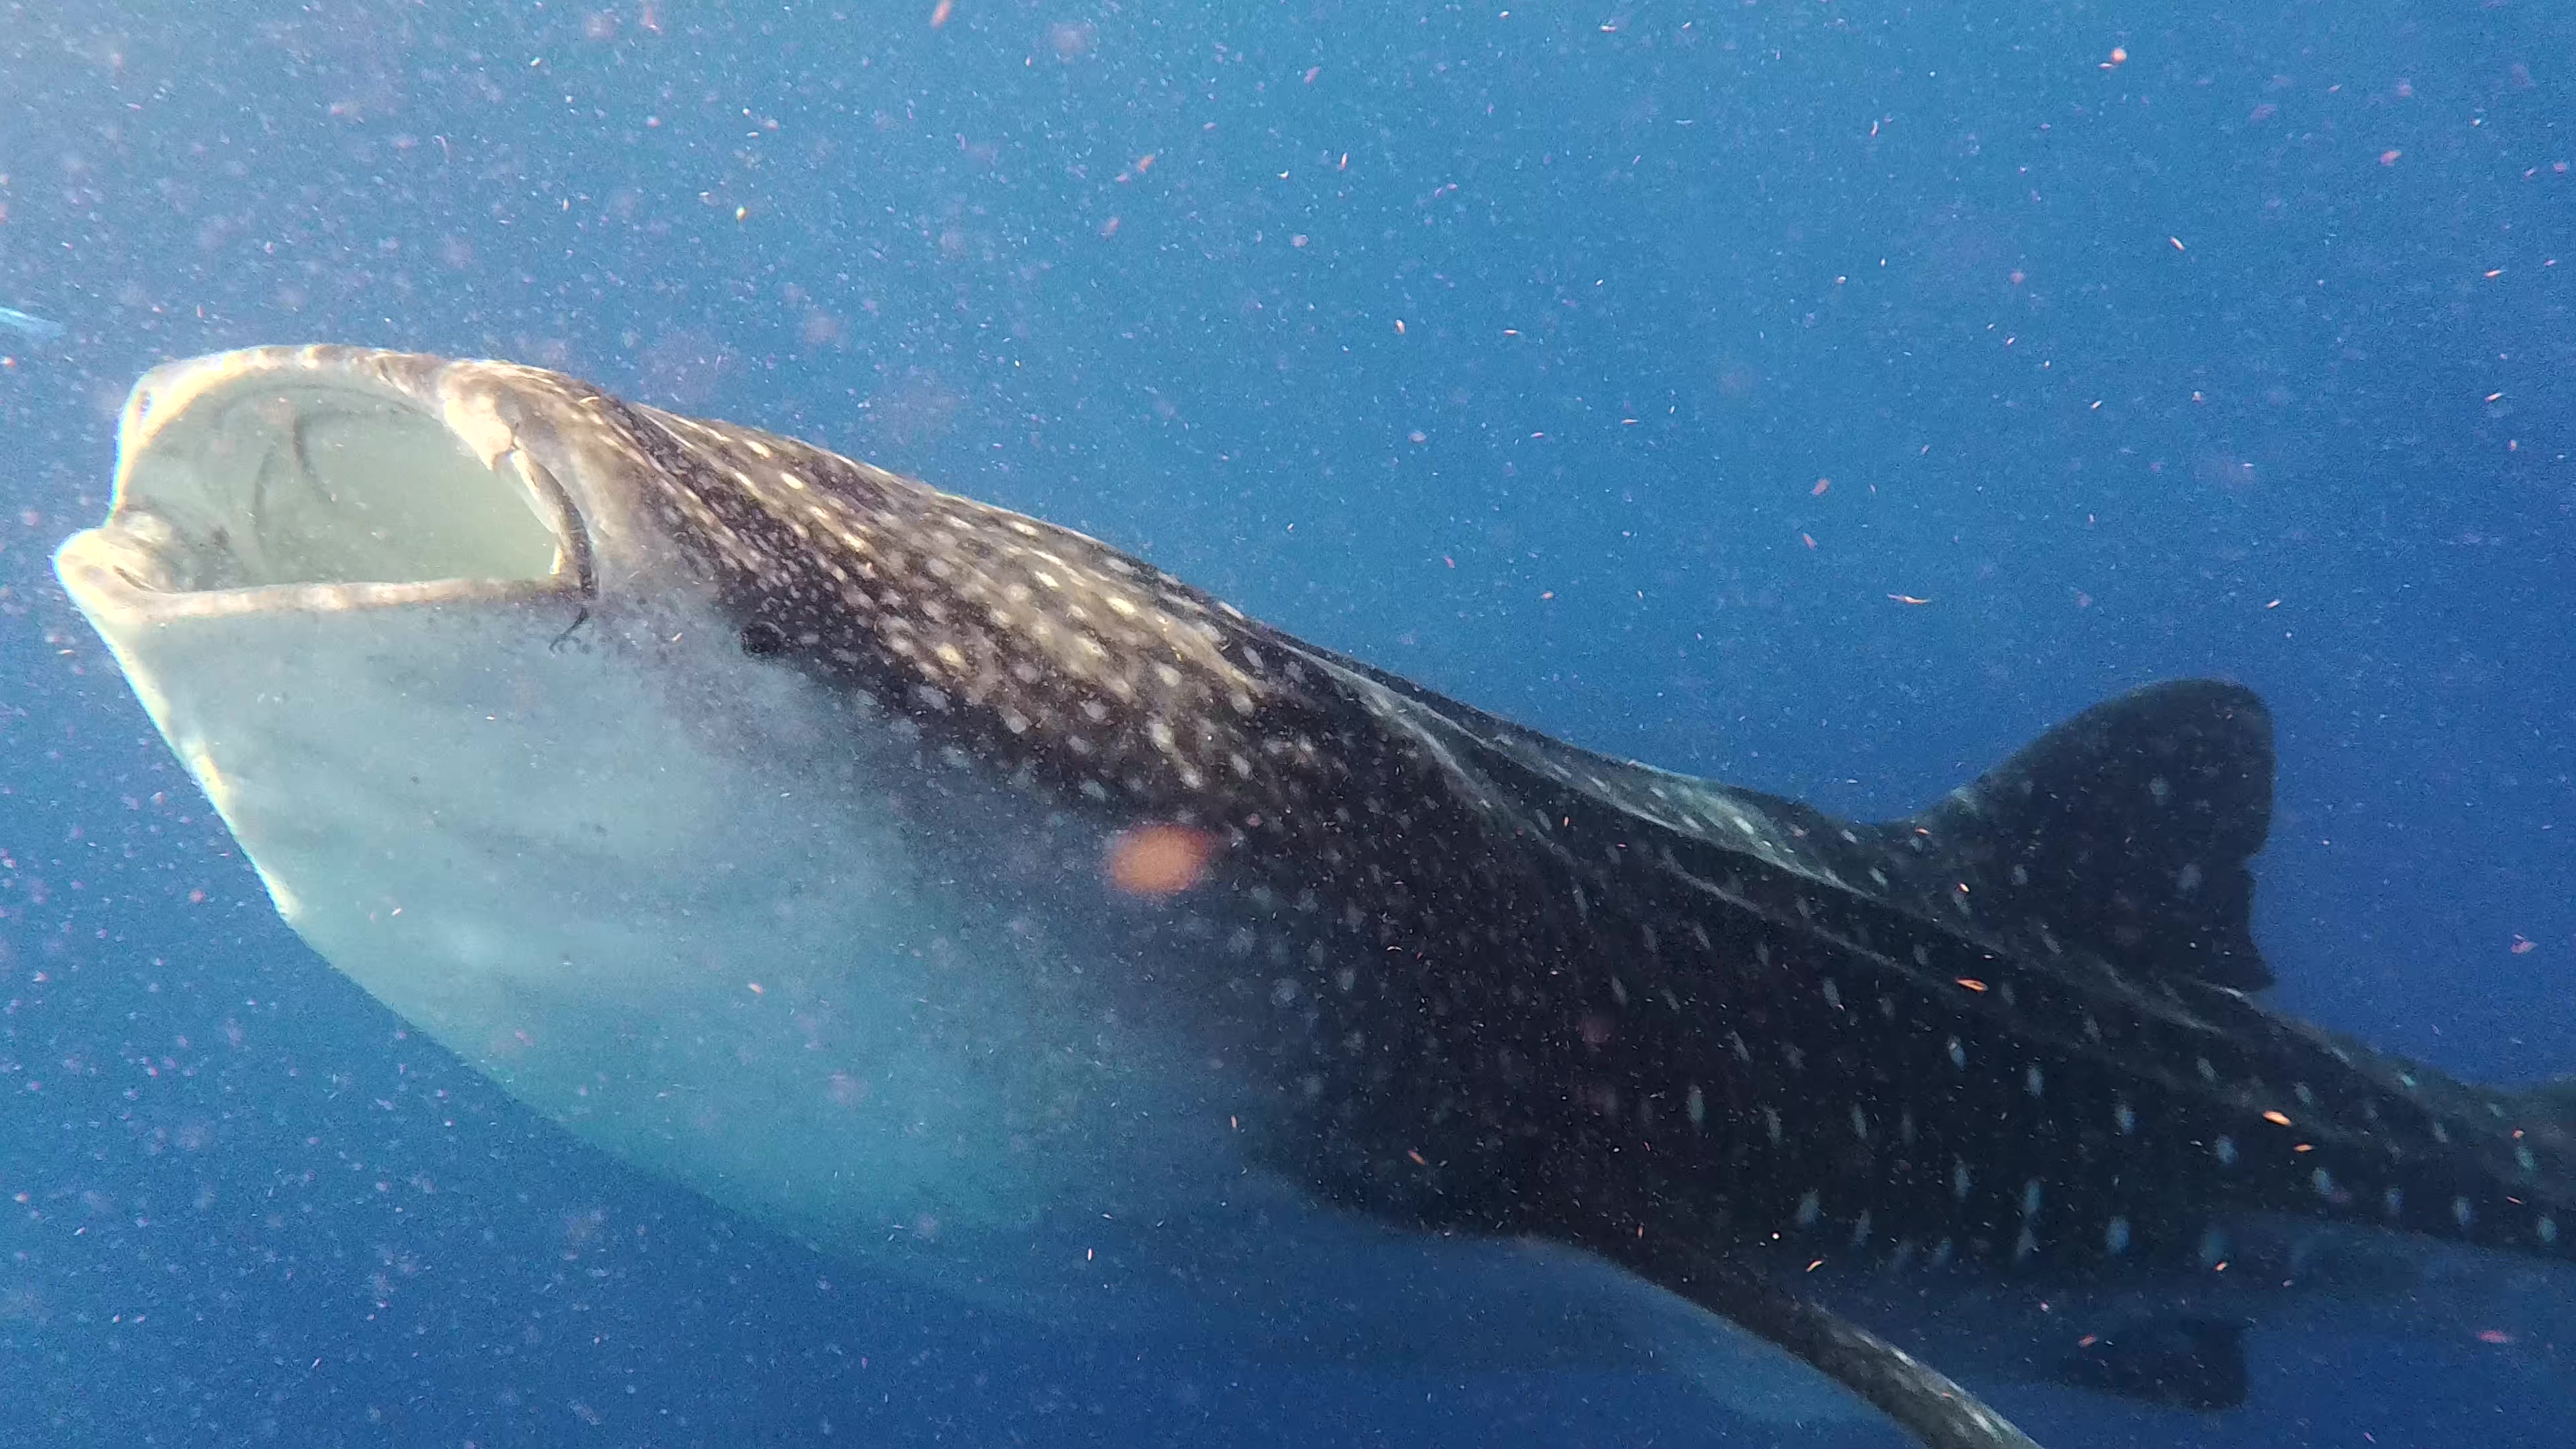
[(982, 905)]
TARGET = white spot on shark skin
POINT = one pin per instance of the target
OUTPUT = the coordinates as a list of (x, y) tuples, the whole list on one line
[(1771, 1124), (2125, 1118), (1958, 1053), (1833, 994), (2524, 1158), (2115, 1236), (2462, 1213), (1697, 1105), (2323, 1182), (2030, 1198), (1809, 1209), (2545, 1229), (2025, 1245), (1859, 1123), (1960, 1178), (2032, 1082), (2393, 1202), (2208, 1073), (1941, 1252), (2224, 1149), (2213, 1247)]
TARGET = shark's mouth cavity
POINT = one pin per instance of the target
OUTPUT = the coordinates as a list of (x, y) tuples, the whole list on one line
[(246, 480)]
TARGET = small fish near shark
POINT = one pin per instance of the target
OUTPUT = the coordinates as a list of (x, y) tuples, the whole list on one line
[(982, 905), (29, 325)]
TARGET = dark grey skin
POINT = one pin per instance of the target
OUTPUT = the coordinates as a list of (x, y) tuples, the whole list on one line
[(1468, 979)]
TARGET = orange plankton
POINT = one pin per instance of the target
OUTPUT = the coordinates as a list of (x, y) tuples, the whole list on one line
[(1159, 860)]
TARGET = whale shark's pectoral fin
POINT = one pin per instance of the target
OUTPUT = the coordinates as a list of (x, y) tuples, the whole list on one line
[(1925, 1402)]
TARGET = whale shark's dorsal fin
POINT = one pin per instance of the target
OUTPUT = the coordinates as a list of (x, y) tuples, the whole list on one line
[(2125, 830)]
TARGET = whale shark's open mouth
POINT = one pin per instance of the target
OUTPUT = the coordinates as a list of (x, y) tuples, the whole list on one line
[(247, 482)]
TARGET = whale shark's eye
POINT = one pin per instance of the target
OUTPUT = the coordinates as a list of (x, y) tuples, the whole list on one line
[(760, 639)]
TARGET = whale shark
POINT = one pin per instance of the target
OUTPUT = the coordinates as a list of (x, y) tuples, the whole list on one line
[(982, 905)]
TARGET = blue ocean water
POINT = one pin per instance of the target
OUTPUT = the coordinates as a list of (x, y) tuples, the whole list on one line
[(1826, 397)]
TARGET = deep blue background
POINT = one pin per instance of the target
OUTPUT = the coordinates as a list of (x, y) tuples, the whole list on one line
[(1504, 349)]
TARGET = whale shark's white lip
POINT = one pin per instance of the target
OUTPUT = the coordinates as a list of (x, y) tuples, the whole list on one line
[(308, 479)]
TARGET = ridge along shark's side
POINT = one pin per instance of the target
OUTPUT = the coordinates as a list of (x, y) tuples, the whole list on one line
[(972, 900)]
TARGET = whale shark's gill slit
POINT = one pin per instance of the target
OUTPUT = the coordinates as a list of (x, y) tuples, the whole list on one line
[(572, 536)]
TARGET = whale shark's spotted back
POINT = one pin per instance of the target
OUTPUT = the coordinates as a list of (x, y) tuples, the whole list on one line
[(1422, 964)]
